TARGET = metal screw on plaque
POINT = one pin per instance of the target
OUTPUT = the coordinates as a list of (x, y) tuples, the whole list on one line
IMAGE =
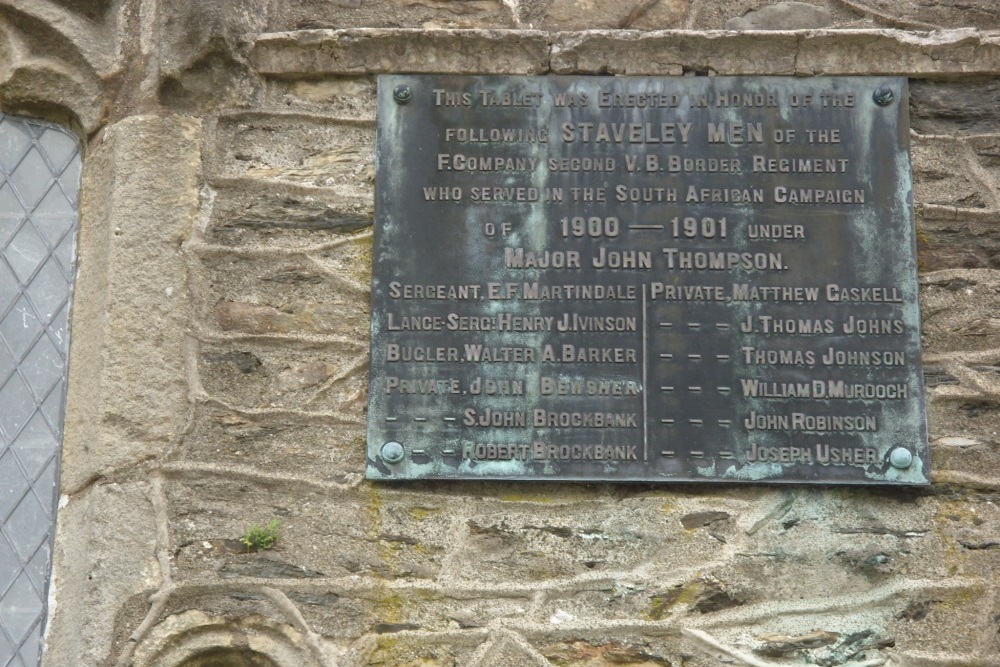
[(402, 94), (901, 458), (883, 96), (392, 452)]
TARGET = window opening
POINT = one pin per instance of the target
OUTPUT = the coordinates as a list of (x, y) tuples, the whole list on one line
[(39, 201)]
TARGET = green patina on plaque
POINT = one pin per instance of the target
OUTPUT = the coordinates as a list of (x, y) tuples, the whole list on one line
[(645, 279)]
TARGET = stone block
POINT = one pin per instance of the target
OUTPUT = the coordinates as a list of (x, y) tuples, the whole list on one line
[(255, 376), (897, 52), (131, 295), (955, 107), (246, 212), (942, 175), (964, 242), (423, 14), (594, 14), (105, 555), (323, 449), (525, 542), (349, 97), (917, 15), (376, 51), (324, 293), (671, 53), (962, 319), (419, 649), (319, 540), (297, 149), (202, 49), (817, 52), (604, 652), (787, 15)]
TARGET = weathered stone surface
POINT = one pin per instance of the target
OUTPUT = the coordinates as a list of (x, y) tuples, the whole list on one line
[(131, 295), (266, 568), (108, 532), (963, 319), (700, 519), (601, 654), (93, 10), (787, 15), (778, 645), (934, 377), (817, 52), (203, 508), (53, 61), (593, 14), (898, 53), (377, 51), (509, 651), (963, 244), (202, 49), (942, 175), (631, 52), (330, 380), (344, 97), (525, 543), (297, 149), (424, 14), (196, 639), (418, 650), (918, 15), (247, 212), (284, 444), (948, 107), (283, 293), (703, 595)]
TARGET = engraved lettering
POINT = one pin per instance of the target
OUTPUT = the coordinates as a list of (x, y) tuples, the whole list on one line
[(573, 354), (735, 133), (399, 385), (873, 327), (622, 259), (836, 389), (445, 292), (837, 293), (800, 421), (562, 386), (785, 195), (478, 353), (406, 353), (493, 418), (545, 419), (723, 261), (495, 387), (622, 133), (519, 258)]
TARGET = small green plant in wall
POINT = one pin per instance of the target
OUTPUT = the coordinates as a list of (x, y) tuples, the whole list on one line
[(260, 538)]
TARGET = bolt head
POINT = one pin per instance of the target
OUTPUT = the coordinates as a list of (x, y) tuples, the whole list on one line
[(392, 452), (402, 94), (883, 96), (901, 458)]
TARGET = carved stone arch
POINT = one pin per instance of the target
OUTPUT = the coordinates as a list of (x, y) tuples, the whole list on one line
[(195, 639), (54, 64)]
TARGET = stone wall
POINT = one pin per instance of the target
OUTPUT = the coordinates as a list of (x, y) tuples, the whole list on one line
[(218, 374)]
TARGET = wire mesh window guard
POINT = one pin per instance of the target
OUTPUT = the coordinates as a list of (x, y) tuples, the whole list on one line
[(39, 189)]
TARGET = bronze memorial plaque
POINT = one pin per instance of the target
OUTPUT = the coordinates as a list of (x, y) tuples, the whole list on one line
[(645, 279)]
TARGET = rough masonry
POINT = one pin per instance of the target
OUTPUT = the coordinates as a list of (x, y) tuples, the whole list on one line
[(218, 373)]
